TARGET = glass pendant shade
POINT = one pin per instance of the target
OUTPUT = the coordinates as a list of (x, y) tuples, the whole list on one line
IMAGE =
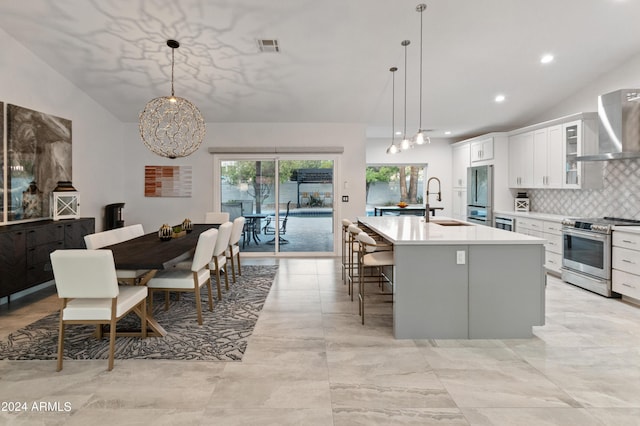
[(421, 138), (171, 126)]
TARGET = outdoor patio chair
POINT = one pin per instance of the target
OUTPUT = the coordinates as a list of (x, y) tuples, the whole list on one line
[(273, 228)]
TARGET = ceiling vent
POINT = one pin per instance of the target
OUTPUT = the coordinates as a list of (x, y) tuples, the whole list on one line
[(269, 45)]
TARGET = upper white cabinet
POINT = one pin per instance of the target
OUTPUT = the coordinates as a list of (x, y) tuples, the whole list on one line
[(461, 160), (521, 160), (482, 150), (545, 155)]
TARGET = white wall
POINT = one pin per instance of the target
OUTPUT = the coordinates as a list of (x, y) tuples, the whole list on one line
[(627, 76), (96, 135), (437, 155), (153, 212)]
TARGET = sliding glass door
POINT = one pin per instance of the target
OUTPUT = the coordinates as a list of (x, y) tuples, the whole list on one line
[(288, 202)]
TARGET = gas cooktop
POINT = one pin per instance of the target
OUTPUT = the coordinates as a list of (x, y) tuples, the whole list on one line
[(598, 224)]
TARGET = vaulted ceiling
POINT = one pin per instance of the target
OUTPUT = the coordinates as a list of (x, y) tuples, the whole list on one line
[(334, 58)]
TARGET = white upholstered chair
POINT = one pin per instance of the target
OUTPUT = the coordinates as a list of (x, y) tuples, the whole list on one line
[(218, 261), (87, 284), (369, 258), (233, 250), (216, 218), (115, 236), (188, 280)]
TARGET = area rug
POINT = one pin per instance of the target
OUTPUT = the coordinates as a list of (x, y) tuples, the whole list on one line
[(223, 335)]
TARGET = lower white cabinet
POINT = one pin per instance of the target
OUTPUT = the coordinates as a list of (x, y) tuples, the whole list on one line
[(550, 231), (625, 259)]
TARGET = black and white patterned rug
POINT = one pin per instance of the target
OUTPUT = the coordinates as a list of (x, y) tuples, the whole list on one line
[(222, 337)]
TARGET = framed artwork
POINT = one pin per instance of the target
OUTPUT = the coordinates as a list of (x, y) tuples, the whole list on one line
[(38, 156), (167, 181)]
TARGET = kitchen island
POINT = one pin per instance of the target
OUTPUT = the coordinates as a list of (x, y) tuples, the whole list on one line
[(456, 280)]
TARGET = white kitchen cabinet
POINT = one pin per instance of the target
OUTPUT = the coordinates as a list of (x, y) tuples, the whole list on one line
[(459, 202), (461, 161), (547, 157), (580, 137), (521, 160), (482, 150), (625, 260), (550, 231)]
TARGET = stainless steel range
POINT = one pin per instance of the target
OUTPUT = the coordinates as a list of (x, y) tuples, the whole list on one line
[(586, 254)]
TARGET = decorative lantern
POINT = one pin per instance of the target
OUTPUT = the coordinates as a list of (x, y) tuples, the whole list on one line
[(65, 201), (165, 233)]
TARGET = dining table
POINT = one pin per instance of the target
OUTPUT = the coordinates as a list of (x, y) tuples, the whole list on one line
[(252, 227), (149, 252)]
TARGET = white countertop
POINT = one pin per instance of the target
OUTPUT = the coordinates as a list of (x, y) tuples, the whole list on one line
[(630, 229), (531, 215), (413, 230)]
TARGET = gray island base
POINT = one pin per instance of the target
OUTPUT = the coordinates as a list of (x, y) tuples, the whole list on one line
[(463, 282)]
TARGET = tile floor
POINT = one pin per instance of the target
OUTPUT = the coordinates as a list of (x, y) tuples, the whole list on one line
[(311, 362)]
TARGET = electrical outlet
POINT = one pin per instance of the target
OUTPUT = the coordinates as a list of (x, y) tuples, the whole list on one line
[(345, 198), (460, 257)]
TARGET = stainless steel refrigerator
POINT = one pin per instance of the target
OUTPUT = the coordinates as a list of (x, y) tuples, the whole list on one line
[(480, 194)]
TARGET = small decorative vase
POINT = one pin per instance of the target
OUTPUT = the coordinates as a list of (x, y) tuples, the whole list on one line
[(165, 233), (187, 225)]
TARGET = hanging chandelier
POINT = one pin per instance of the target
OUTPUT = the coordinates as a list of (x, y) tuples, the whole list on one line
[(393, 148), (420, 138), (171, 126)]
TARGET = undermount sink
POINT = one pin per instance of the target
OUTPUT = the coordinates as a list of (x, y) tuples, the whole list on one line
[(446, 222)]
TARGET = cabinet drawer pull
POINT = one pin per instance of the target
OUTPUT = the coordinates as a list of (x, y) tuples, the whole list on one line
[(628, 261), (628, 241), (628, 285)]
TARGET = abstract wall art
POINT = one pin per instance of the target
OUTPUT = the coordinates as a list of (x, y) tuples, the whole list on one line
[(38, 156), (167, 181)]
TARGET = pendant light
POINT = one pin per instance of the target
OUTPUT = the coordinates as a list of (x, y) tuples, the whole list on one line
[(406, 143), (420, 137), (171, 126), (393, 148)]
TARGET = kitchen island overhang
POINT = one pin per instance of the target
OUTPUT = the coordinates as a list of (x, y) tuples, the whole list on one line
[(463, 282)]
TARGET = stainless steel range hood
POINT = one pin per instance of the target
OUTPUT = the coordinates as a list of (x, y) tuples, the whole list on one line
[(618, 126)]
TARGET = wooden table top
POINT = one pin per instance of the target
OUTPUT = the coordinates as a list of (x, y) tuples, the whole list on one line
[(150, 252)]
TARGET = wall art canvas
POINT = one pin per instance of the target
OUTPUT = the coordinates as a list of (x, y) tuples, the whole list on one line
[(167, 181), (38, 156), (2, 168)]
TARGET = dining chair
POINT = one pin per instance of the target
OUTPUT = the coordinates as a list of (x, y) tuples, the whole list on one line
[(368, 257), (233, 250), (216, 218), (115, 236), (218, 261), (345, 248), (86, 282), (188, 280)]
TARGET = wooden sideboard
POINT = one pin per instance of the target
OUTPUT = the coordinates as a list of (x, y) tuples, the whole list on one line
[(25, 249)]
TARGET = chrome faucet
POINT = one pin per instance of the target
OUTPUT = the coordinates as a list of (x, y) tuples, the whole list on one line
[(426, 207)]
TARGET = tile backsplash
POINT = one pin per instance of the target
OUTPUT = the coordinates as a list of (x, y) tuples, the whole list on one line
[(620, 196)]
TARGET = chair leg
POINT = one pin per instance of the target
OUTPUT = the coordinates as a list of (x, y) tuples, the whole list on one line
[(233, 268), (226, 277), (239, 267), (218, 280), (198, 303), (209, 291), (112, 333), (61, 339), (143, 319)]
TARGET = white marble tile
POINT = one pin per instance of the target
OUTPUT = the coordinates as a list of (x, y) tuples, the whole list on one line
[(529, 416)]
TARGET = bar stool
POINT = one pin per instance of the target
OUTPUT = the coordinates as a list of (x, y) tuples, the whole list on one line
[(345, 247), (352, 249), (368, 257)]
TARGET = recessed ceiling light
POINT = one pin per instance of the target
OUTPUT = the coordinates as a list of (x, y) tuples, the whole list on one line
[(545, 59), (448, 132), (500, 98), (398, 133)]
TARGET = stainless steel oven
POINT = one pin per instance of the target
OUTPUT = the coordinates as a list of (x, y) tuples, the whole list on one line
[(586, 252), (505, 222)]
